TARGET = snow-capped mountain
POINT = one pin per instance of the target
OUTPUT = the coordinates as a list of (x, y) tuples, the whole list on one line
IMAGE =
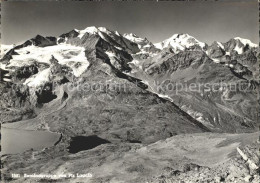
[(134, 38), (239, 54), (106, 36), (97, 31), (70, 51), (179, 42), (144, 44), (246, 42), (123, 51), (239, 45)]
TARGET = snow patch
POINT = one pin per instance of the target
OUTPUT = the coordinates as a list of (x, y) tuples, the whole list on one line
[(147, 46), (3, 66), (137, 64), (39, 78), (238, 49), (119, 48), (110, 54), (117, 33), (220, 45), (197, 115), (158, 45), (231, 65), (102, 36), (165, 97), (215, 60)]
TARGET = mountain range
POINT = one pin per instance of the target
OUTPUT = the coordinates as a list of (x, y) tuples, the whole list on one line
[(124, 88), (181, 59)]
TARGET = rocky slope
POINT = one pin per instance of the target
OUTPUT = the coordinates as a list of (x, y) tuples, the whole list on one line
[(215, 84), (187, 158)]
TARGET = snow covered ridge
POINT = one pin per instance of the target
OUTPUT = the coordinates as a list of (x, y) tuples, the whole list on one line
[(134, 38), (220, 45), (94, 30), (179, 42), (5, 49), (100, 31), (41, 49), (91, 30), (142, 43), (241, 43), (246, 41)]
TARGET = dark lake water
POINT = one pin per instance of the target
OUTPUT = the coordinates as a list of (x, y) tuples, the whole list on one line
[(82, 143)]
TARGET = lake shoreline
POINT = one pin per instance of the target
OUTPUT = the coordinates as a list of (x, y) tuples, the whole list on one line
[(16, 140)]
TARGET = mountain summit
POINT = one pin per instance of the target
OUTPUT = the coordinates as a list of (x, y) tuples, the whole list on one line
[(180, 42)]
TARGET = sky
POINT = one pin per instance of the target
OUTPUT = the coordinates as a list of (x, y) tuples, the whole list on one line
[(207, 21)]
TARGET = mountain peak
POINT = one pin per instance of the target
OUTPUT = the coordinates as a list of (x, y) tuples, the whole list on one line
[(91, 30), (133, 37), (38, 36), (94, 30), (246, 41), (143, 43), (180, 42)]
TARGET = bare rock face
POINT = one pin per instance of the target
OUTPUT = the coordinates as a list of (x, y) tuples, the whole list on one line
[(70, 35), (43, 41), (15, 103), (170, 62), (215, 51), (26, 72)]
